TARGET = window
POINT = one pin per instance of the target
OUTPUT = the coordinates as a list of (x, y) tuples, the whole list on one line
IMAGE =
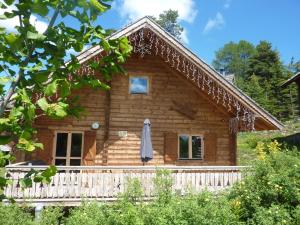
[(190, 147), (138, 85), (68, 148)]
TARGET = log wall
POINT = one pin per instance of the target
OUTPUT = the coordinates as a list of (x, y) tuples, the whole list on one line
[(169, 91)]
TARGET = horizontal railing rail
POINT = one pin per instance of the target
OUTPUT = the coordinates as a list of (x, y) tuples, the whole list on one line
[(73, 183), (42, 167)]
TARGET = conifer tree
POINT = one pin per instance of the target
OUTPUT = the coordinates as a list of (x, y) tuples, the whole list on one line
[(266, 65)]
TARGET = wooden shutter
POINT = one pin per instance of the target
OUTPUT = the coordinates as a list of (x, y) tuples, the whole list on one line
[(89, 149), (210, 147), (46, 137), (171, 147)]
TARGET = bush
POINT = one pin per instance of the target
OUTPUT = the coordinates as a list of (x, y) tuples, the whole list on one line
[(269, 195), (89, 213), (15, 215), (275, 215), (273, 183), (51, 215), (204, 208)]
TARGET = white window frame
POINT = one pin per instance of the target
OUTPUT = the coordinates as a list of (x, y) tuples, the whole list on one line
[(68, 156), (190, 146), (137, 76)]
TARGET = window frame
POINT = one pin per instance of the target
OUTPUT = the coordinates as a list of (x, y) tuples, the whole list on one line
[(190, 152), (137, 76), (69, 143)]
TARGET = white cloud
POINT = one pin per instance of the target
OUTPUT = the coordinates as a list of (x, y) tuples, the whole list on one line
[(184, 37), (227, 4), (216, 22), (135, 9), (10, 24)]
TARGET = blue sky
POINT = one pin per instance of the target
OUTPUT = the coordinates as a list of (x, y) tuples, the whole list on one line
[(209, 24)]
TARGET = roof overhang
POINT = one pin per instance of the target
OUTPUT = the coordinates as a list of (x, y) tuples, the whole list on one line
[(197, 70), (295, 78)]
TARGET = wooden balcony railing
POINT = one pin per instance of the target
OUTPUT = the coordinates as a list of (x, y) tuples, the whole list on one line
[(71, 184)]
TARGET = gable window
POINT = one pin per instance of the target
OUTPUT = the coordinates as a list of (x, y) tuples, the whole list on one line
[(190, 146), (138, 85), (68, 148)]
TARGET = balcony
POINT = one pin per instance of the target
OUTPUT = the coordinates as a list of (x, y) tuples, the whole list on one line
[(73, 184)]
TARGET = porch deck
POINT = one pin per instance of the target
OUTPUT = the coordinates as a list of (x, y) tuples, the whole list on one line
[(72, 184)]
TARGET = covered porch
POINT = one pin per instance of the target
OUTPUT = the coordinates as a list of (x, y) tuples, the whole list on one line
[(73, 184)]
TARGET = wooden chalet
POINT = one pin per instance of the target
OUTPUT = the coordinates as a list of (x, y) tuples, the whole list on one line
[(195, 115)]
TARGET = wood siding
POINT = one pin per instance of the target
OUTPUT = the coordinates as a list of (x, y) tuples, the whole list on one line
[(117, 111)]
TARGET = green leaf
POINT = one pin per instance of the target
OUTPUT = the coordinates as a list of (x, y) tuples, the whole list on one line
[(65, 89), (24, 96), (11, 38), (51, 88), (26, 182), (98, 6), (9, 2), (60, 110), (35, 36), (39, 145), (4, 80), (43, 104), (26, 145), (40, 9), (3, 181), (50, 171), (4, 121), (105, 45)]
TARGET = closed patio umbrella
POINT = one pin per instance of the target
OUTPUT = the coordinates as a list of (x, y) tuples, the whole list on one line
[(146, 144)]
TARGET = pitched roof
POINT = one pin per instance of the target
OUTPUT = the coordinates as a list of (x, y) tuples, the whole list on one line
[(296, 77), (147, 37)]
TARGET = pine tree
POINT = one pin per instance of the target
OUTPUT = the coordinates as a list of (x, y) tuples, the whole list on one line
[(169, 21), (266, 65), (255, 90), (233, 58)]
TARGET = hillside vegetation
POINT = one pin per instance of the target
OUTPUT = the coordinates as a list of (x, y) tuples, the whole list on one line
[(289, 138)]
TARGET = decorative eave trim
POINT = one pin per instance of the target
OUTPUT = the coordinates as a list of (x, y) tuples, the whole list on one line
[(147, 23)]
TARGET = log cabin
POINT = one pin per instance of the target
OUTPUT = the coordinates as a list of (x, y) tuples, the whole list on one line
[(195, 115), (195, 112)]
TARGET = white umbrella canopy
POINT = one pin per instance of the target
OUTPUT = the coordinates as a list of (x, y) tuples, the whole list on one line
[(5, 148), (146, 149)]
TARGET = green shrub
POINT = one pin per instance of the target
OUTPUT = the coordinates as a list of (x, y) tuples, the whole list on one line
[(15, 215), (51, 215), (269, 195), (163, 186), (274, 180), (204, 209), (275, 215), (296, 215), (88, 213), (124, 213), (133, 191)]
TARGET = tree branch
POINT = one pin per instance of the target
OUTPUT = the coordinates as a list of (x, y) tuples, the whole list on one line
[(14, 84)]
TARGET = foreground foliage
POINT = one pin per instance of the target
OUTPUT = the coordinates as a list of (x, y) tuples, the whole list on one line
[(269, 195)]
